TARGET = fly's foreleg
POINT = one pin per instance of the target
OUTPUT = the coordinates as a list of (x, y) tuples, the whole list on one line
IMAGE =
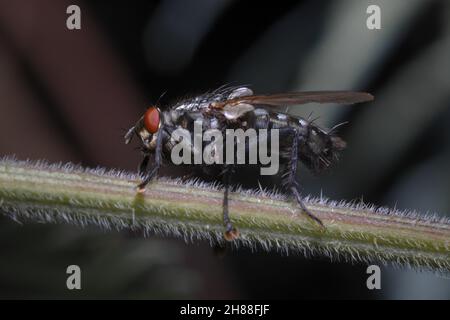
[(144, 163), (291, 178), (231, 233), (153, 172)]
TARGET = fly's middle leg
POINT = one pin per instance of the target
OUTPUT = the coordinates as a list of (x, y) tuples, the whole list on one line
[(231, 233), (291, 176)]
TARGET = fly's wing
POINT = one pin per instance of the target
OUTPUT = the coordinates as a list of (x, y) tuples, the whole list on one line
[(243, 104), (298, 98)]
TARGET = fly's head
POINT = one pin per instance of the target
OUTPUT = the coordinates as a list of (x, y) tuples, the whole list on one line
[(146, 128), (319, 149)]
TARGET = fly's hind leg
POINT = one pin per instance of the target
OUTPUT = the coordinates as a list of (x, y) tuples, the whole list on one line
[(298, 197), (153, 172), (291, 177), (231, 233)]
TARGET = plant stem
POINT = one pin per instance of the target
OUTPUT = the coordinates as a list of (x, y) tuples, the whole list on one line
[(69, 194)]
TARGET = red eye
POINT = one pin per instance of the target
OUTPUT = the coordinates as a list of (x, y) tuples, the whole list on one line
[(151, 120)]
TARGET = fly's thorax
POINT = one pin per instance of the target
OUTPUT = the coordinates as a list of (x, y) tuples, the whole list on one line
[(261, 118), (183, 128)]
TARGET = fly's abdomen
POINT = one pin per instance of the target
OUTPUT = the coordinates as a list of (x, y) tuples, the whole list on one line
[(265, 119), (317, 149)]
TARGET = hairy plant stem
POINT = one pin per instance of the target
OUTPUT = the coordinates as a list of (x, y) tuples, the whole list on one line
[(193, 210)]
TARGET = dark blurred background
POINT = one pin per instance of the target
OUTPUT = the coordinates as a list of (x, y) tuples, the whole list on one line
[(68, 95)]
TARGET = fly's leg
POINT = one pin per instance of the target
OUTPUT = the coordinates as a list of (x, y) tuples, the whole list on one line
[(291, 179), (144, 164), (231, 233), (158, 160), (297, 195), (129, 135)]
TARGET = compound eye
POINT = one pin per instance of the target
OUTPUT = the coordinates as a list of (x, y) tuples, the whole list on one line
[(151, 120)]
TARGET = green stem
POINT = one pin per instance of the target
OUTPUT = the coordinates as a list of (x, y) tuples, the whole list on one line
[(66, 194)]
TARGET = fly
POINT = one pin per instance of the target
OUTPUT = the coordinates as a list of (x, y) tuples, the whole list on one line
[(238, 107)]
